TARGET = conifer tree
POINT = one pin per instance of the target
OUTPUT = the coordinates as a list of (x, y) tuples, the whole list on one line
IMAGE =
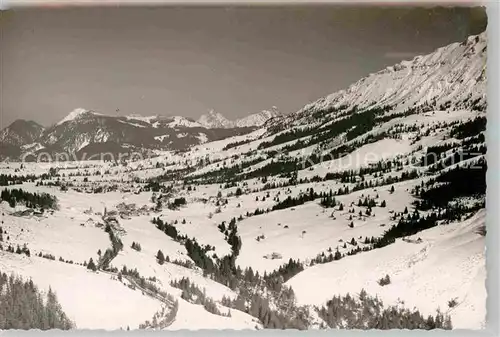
[(160, 257), (91, 265)]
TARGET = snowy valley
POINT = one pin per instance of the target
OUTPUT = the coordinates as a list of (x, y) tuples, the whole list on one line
[(349, 213)]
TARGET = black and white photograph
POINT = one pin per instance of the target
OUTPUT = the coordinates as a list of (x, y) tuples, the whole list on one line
[(243, 167)]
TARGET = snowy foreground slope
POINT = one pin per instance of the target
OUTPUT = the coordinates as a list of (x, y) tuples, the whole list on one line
[(86, 297), (360, 190)]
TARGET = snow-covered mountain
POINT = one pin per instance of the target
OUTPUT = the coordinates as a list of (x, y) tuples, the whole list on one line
[(258, 119), (452, 77), (214, 119), (164, 121), (21, 132), (82, 128), (76, 115)]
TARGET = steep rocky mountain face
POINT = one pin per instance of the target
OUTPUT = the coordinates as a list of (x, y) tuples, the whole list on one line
[(21, 132), (215, 120)]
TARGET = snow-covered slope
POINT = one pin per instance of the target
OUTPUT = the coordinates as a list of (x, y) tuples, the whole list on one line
[(449, 263), (326, 201), (91, 300)]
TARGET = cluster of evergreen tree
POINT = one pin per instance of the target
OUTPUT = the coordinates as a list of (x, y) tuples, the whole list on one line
[(384, 280), (30, 200), (142, 282), (224, 174), (406, 175), (287, 136), (353, 121), (22, 306), (236, 144), (24, 250), (407, 112), (192, 293), (224, 271), (178, 202), (153, 186), (351, 176), (136, 246), (287, 316), (173, 175), (251, 286), (285, 167), (168, 229), (195, 251), (365, 312), (454, 183), (231, 235), (91, 265), (469, 128), (414, 223), (459, 155), (280, 167), (328, 200), (183, 263), (161, 258), (286, 271), (434, 153), (367, 202), (199, 255), (10, 179), (47, 256), (341, 150), (310, 195), (326, 258), (477, 139), (110, 253)]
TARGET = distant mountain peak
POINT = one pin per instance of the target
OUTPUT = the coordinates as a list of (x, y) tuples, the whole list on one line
[(214, 120), (258, 119), (75, 114), (21, 132)]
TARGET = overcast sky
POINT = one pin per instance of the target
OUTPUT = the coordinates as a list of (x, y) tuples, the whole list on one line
[(185, 61)]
